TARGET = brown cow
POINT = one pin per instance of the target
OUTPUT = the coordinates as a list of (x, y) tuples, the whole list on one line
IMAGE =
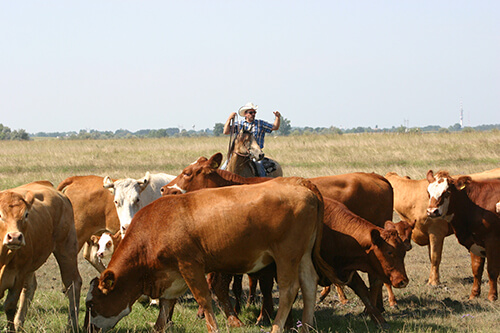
[(469, 206), (410, 202), (36, 221), (356, 190), (351, 243), (94, 211), (177, 239)]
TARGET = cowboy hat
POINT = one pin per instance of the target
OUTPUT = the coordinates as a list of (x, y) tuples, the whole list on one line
[(246, 107)]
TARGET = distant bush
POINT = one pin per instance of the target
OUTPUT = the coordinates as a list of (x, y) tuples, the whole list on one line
[(7, 134)]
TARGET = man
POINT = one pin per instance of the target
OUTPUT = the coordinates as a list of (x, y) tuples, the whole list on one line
[(258, 127)]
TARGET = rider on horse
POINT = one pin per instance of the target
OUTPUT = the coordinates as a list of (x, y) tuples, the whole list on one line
[(258, 127)]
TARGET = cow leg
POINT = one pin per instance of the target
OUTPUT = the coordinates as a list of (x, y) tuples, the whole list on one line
[(252, 289), (10, 305), (288, 283), (376, 292), (477, 265), (194, 275), (324, 292), (165, 315), (359, 287), (25, 299), (66, 256), (237, 291), (220, 287), (392, 298), (89, 253), (266, 282), (308, 279), (437, 233), (493, 268), (340, 292)]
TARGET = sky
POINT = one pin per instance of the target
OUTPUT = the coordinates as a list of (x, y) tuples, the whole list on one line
[(109, 65)]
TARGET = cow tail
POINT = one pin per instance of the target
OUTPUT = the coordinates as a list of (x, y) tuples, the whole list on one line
[(325, 272)]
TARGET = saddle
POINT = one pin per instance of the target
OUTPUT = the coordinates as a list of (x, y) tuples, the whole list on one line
[(269, 166)]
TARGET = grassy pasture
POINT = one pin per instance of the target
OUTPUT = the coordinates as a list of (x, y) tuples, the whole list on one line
[(421, 308)]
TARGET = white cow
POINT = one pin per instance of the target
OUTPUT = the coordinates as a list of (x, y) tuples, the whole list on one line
[(130, 195), (106, 244)]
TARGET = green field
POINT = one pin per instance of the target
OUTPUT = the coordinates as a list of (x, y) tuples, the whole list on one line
[(421, 308)]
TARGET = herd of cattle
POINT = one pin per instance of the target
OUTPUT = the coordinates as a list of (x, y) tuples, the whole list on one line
[(166, 233)]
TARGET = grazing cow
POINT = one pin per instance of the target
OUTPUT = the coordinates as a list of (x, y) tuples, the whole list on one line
[(356, 190), (130, 195), (36, 221), (176, 240), (351, 243), (469, 206), (94, 211), (410, 202)]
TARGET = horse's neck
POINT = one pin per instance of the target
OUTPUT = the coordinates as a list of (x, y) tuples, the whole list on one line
[(240, 165)]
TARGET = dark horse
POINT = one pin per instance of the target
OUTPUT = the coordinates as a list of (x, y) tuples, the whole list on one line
[(243, 151)]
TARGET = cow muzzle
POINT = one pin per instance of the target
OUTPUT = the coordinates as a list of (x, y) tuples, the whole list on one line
[(433, 212), (14, 240)]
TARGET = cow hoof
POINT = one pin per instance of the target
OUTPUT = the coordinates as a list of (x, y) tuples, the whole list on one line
[(262, 321), (233, 321)]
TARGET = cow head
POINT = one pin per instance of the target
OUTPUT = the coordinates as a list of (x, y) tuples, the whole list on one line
[(126, 193), (104, 243), (194, 177), (441, 186), (107, 302), (387, 254), (14, 211), (404, 230)]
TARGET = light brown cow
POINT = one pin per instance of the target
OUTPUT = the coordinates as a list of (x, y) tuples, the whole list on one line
[(94, 211), (176, 240), (36, 220), (410, 202)]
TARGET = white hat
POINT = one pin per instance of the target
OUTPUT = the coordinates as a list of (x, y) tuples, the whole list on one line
[(246, 107)]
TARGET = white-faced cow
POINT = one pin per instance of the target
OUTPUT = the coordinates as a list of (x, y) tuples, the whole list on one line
[(35, 221), (410, 202), (469, 206), (177, 239), (130, 195)]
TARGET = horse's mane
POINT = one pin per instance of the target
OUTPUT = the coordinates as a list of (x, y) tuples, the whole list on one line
[(233, 179)]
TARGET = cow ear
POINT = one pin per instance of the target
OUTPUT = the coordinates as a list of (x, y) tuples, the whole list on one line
[(94, 239), (109, 184), (430, 176), (107, 282), (215, 161), (462, 182), (389, 225), (29, 198), (376, 238), (145, 181)]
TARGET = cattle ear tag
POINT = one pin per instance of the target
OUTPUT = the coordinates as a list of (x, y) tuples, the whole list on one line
[(215, 165), (462, 187)]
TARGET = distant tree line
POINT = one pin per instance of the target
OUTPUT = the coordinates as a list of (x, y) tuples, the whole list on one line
[(7, 134), (285, 129)]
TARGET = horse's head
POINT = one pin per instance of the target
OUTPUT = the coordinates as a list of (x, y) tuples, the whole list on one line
[(245, 144)]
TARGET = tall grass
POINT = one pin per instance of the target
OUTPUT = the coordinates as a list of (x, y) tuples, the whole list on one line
[(421, 308)]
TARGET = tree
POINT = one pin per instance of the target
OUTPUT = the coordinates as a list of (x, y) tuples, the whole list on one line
[(218, 129), (285, 127)]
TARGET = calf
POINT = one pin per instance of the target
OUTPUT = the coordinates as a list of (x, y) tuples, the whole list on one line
[(469, 206), (36, 220), (176, 240), (351, 243)]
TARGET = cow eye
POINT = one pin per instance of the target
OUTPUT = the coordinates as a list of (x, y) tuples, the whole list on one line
[(116, 202), (137, 200), (26, 215)]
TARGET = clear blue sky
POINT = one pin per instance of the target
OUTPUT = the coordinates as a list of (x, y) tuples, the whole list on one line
[(106, 65)]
